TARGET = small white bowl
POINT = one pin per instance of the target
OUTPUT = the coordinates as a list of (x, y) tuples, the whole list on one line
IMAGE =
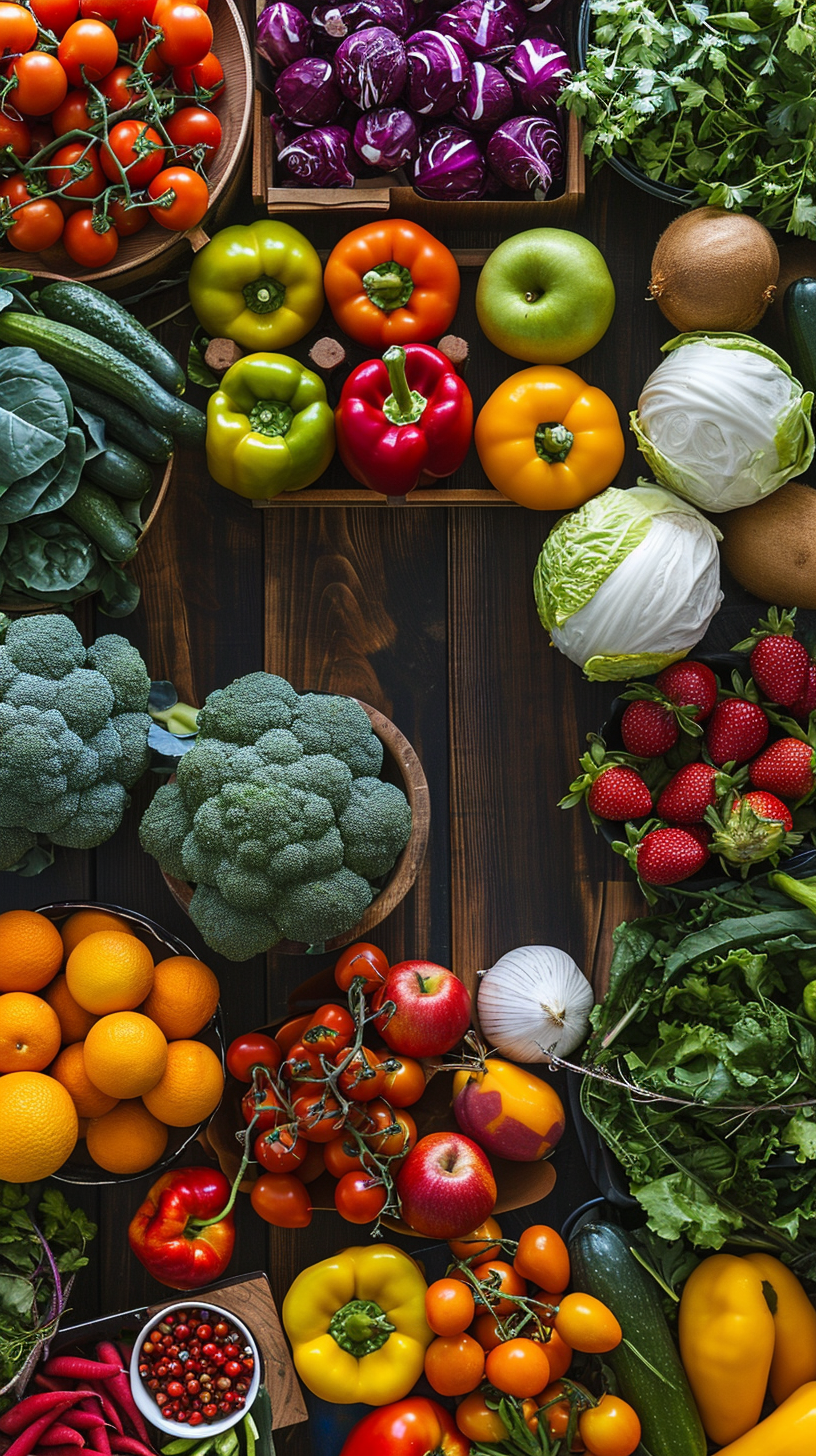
[(144, 1398)]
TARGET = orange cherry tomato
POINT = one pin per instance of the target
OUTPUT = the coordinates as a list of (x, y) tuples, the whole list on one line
[(129, 15), (292, 1031), (359, 1197), (389, 1131), (363, 960), (559, 1354), (282, 1200), (500, 1279), (431, 265), (88, 51), (364, 1077), (405, 1083), (18, 30), (542, 1257), (86, 243), (188, 194), (73, 114), (518, 1367), (477, 1421), (41, 83), (301, 1065), (337, 1157), (331, 1028), (454, 1364), (546, 1301), (482, 1244), (485, 1329), (195, 81), (449, 1307), (557, 1415), (611, 1428), (193, 128), (586, 1324), (281, 1150), (79, 160), (319, 1116)]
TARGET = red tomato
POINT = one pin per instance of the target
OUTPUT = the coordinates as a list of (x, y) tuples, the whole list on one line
[(137, 148), (55, 15), (80, 161), (41, 83), (331, 1027), (359, 1198), (129, 15), (83, 241), (88, 51), (42, 134), (291, 1031), (116, 90), (127, 220), (542, 1258), (280, 1151), (73, 114), (189, 194), (364, 1077), (301, 1068), (364, 960), (38, 224), (341, 1156), (203, 81), (253, 1049), (586, 1324), (16, 135), (188, 32), (319, 1116), (388, 1132), (406, 1083), (612, 1428), (409, 1427), (518, 1367), (312, 1165), (268, 1105), (18, 29), (282, 1200), (194, 127)]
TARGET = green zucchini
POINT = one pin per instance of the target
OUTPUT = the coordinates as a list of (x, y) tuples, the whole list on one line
[(119, 472), (86, 308), (604, 1266), (96, 363), (799, 306), (122, 424), (99, 516)]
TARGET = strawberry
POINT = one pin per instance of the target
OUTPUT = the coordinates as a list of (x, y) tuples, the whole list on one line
[(619, 793), (803, 707), (786, 768), (779, 667), (689, 685), (648, 729), (666, 856), (767, 806), (688, 794), (736, 731), (754, 827)]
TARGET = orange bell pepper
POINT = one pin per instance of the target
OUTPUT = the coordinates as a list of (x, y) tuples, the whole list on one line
[(790, 1430), (391, 282), (794, 1317), (548, 440)]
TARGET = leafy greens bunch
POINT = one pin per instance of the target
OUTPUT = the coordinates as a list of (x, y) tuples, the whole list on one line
[(717, 99), (707, 1085)]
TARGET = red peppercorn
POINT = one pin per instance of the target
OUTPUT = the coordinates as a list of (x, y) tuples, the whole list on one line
[(182, 1333), (221, 1329), (233, 1368), (195, 1418), (204, 1332), (209, 1411), (193, 1387)]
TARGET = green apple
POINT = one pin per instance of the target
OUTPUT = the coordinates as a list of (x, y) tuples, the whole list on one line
[(545, 295)]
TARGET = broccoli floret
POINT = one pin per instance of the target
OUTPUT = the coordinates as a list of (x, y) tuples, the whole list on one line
[(238, 934), (46, 646), (279, 746), (320, 909), (120, 662), (8, 672), (338, 726), (14, 843), (85, 699), (324, 775), (98, 815), (248, 708), (375, 827), (132, 729), (203, 770), (26, 690), (164, 827)]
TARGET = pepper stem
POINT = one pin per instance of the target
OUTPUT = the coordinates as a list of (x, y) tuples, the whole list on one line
[(271, 417), (403, 406), (389, 285), (553, 442), (360, 1327), (263, 295), (197, 1224)]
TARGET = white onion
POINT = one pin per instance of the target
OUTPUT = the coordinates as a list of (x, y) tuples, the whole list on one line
[(535, 1001)]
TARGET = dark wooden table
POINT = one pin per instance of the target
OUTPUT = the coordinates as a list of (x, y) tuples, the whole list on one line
[(428, 615)]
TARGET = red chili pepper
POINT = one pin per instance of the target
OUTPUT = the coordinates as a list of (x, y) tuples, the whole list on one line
[(170, 1233), (404, 418)]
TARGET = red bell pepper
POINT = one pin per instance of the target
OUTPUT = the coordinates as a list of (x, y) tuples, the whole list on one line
[(171, 1234), (412, 1427), (402, 419)]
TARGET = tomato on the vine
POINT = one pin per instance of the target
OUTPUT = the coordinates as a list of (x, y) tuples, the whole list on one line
[(127, 220), (73, 113), (341, 1156), (543, 1258), (282, 1200), (128, 15), (291, 1031), (485, 1329), (88, 51), (205, 75), (301, 1069), (194, 126), (268, 1106), (587, 1325), (55, 15), (79, 160), (138, 150), (319, 1116), (253, 1049), (449, 1307), (483, 1243), (477, 1421), (364, 960), (454, 1364), (188, 32), (518, 1367), (18, 29), (38, 224), (364, 1077), (189, 198), (41, 83), (501, 1280), (86, 243), (557, 1416), (559, 1354), (151, 64), (331, 1027), (16, 135), (116, 90), (405, 1083), (389, 1131), (280, 1151), (611, 1428), (359, 1197)]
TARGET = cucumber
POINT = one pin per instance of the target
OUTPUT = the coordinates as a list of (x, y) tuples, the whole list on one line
[(96, 363), (799, 306), (119, 472), (99, 516), (122, 424), (604, 1266), (87, 309)]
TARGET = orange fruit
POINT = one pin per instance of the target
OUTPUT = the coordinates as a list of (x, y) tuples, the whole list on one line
[(126, 1140), (85, 922), (125, 1054), (29, 1032), (191, 1086), (75, 1022), (109, 971), (30, 951), (39, 1126), (69, 1069), (183, 998)]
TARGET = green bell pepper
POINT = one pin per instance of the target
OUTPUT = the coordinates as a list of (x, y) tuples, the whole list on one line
[(261, 285), (269, 427)]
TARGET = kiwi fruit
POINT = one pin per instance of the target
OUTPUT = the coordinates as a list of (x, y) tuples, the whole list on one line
[(714, 270), (770, 546)]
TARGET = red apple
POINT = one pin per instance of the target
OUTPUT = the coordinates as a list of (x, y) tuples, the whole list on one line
[(432, 1009), (446, 1186)]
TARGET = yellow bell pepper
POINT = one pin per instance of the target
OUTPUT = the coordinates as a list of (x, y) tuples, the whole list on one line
[(357, 1326), (790, 1430), (794, 1317), (726, 1334), (548, 440)]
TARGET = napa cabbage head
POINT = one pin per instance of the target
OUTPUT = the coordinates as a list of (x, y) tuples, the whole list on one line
[(722, 421), (629, 582)]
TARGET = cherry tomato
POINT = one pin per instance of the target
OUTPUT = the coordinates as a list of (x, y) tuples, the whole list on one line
[(204, 76), (41, 83), (546, 1301), (364, 960), (518, 1367), (195, 127), (152, 64), (542, 1258), (559, 1354), (611, 1428), (300, 1066), (557, 1416), (55, 15), (312, 1166), (319, 1116), (73, 114), (485, 1329), (86, 244), (586, 1324), (291, 1031), (18, 30), (388, 1131), (16, 135), (364, 1077), (38, 224), (267, 1104), (189, 194), (280, 1151), (42, 133), (88, 51), (341, 1156), (253, 1049), (137, 148), (482, 1244), (359, 1197), (129, 15), (76, 159), (127, 220), (331, 1027), (282, 1200), (477, 1421), (449, 1307), (405, 1084), (116, 90), (188, 32), (454, 1364), (501, 1280)]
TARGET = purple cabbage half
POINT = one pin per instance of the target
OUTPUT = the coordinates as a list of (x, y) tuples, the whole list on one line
[(371, 67), (449, 165), (438, 72), (526, 153), (485, 27), (308, 92), (322, 157), (335, 22), (282, 35), (486, 100), (539, 71), (386, 138)]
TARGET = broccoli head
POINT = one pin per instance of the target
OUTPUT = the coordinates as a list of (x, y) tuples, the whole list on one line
[(73, 734), (277, 817)]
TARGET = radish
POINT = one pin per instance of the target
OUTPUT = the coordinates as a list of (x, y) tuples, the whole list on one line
[(74, 1367), (28, 1438), (120, 1391), (60, 1434), (29, 1410), (129, 1447)]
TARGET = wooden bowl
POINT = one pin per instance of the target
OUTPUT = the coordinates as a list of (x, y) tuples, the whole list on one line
[(401, 767), (153, 250)]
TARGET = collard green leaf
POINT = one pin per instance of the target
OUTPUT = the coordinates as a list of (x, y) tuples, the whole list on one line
[(119, 593), (62, 488), (48, 556), (93, 428)]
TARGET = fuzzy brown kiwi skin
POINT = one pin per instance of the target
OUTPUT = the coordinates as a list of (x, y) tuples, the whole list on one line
[(715, 271), (770, 546)]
